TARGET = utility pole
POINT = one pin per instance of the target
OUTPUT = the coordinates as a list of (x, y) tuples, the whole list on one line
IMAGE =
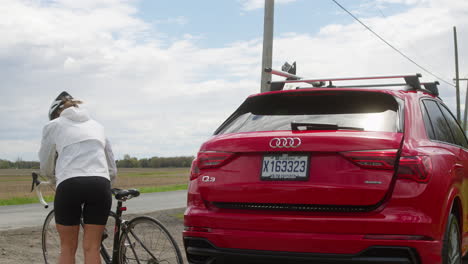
[(267, 58), (457, 78), (466, 107)]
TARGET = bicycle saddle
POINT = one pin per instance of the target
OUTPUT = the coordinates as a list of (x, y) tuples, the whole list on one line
[(125, 194)]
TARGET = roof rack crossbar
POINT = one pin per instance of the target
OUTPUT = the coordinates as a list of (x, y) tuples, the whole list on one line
[(373, 85), (283, 74), (412, 82), (409, 79), (289, 77)]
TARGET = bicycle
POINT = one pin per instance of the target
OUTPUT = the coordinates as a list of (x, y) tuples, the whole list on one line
[(135, 241)]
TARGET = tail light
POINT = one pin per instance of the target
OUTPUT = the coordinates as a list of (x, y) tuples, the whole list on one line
[(416, 168), (207, 160), (212, 159), (373, 159), (194, 170)]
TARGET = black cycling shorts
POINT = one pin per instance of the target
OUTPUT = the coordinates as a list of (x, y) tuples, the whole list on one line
[(88, 196)]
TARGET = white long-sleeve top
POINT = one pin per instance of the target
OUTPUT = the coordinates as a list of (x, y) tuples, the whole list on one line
[(81, 145)]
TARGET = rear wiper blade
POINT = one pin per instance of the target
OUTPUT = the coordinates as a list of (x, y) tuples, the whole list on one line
[(316, 126)]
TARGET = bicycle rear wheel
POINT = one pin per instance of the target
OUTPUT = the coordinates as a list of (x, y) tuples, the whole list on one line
[(51, 240), (146, 240)]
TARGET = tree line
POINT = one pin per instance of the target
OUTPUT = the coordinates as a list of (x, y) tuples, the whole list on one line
[(155, 162), (19, 164), (126, 162)]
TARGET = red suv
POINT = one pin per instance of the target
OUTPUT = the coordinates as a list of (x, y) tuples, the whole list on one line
[(336, 174)]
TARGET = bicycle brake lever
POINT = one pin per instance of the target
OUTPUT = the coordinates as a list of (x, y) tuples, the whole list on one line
[(35, 181)]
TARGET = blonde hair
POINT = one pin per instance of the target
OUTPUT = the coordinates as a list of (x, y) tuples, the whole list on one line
[(70, 103), (67, 104)]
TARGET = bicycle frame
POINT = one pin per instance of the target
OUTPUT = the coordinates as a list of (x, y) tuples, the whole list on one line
[(120, 227), (119, 223)]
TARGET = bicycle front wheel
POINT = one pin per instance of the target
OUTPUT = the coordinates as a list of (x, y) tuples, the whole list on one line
[(146, 240), (51, 241)]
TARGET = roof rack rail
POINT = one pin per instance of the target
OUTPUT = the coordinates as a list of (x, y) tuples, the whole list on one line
[(411, 81)]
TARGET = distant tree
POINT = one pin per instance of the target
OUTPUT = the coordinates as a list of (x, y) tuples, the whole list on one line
[(144, 163), (128, 162), (154, 162), (5, 164), (18, 164)]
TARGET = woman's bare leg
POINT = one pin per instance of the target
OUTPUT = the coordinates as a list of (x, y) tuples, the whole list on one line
[(92, 243), (68, 243)]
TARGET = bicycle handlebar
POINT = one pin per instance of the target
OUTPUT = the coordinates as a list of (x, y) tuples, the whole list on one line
[(37, 184), (121, 195)]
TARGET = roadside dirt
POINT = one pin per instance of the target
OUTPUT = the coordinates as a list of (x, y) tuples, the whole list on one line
[(23, 246)]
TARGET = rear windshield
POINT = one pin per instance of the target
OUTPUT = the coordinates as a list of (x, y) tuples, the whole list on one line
[(367, 111)]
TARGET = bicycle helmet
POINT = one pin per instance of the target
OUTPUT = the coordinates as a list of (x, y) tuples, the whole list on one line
[(58, 104)]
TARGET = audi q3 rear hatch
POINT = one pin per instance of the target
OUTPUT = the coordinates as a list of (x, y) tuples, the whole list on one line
[(301, 149)]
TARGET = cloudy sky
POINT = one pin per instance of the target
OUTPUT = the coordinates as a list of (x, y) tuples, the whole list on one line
[(162, 75)]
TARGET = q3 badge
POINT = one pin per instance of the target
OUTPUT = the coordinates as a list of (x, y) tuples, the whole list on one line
[(208, 179)]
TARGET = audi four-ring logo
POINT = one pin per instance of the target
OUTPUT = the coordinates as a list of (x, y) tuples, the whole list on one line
[(289, 142)]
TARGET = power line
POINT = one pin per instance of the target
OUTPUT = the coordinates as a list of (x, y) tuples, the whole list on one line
[(414, 50), (390, 45)]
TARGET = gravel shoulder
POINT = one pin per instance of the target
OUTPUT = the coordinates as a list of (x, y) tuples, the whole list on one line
[(23, 245)]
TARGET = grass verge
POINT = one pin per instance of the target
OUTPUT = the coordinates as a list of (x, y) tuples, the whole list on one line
[(166, 188), (48, 199), (24, 200)]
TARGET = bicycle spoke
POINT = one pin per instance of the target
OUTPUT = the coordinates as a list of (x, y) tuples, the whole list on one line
[(133, 250), (142, 244), (150, 243)]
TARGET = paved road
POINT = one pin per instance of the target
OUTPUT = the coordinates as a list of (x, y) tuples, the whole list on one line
[(17, 216)]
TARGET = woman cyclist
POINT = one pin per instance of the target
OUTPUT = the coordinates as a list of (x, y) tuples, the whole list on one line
[(76, 155)]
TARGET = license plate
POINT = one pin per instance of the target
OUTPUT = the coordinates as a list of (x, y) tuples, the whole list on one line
[(285, 167)]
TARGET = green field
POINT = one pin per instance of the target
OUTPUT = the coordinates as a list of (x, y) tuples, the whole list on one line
[(15, 184)]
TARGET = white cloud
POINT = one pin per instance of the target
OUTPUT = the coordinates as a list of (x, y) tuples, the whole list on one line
[(454, 5), (91, 4), (249, 5), (165, 98), (143, 93), (427, 39), (23, 148)]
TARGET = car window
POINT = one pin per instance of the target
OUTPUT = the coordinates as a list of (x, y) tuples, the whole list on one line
[(427, 122), (439, 124), (457, 132), (369, 111)]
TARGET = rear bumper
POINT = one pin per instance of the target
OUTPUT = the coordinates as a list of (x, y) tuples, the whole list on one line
[(200, 250), (253, 246), (399, 233)]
